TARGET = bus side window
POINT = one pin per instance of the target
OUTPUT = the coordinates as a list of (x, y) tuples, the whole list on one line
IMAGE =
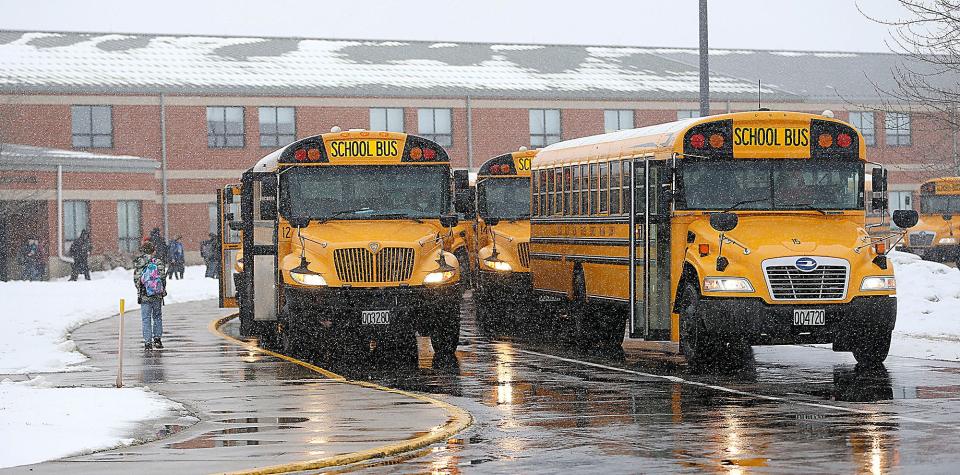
[(604, 186), (567, 182), (625, 187), (594, 195), (558, 191), (641, 187), (615, 187), (575, 187), (550, 192), (585, 188), (543, 192), (535, 193)]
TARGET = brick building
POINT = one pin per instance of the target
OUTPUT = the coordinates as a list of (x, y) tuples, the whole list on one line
[(206, 108)]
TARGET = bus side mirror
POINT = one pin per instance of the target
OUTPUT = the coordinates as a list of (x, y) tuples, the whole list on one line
[(449, 220), (724, 222), (299, 222), (491, 221), (878, 178), (905, 218), (879, 203), (947, 217)]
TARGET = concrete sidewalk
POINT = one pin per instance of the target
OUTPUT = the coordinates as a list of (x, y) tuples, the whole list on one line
[(254, 410)]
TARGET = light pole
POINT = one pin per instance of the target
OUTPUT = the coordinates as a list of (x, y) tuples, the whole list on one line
[(704, 63)]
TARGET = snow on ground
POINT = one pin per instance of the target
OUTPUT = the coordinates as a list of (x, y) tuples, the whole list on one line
[(36, 317), (40, 423), (928, 309)]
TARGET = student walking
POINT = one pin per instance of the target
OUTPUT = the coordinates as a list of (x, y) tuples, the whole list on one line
[(80, 252), (177, 259), (150, 278)]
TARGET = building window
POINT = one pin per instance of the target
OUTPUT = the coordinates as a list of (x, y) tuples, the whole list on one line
[(76, 218), (225, 127), (614, 120), (389, 119), (898, 128), (128, 225), (92, 126), (277, 126), (214, 219), (863, 121), (687, 114), (436, 125), (544, 127)]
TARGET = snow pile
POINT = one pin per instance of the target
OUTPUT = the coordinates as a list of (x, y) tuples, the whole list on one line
[(40, 423), (36, 317), (928, 309)]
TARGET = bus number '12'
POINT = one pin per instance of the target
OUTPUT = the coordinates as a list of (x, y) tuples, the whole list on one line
[(361, 148)]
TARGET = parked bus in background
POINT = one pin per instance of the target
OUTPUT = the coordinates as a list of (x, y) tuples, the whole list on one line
[(347, 245), (716, 233), (937, 236), (503, 240)]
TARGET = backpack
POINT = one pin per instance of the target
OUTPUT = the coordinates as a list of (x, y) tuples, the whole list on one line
[(151, 280)]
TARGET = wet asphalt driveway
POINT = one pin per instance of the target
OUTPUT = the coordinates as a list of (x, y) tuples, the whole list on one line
[(541, 409)]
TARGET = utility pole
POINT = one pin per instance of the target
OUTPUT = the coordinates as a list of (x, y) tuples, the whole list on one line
[(704, 63)]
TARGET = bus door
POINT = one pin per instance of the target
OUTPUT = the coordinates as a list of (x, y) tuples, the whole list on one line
[(259, 210), (228, 211), (650, 251)]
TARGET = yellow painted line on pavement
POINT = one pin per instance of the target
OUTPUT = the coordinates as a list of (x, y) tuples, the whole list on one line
[(458, 420)]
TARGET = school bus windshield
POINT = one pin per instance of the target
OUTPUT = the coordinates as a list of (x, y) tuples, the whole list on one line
[(364, 192), (770, 184), (504, 197), (944, 204)]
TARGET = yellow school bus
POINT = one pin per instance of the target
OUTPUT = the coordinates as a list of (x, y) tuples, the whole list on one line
[(937, 235), (503, 239), (717, 233), (347, 245)]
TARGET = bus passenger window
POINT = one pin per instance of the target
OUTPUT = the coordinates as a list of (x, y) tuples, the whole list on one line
[(535, 193), (615, 187), (640, 186), (575, 186), (594, 178), (549, 192), (567, 182), (604, 186), (585, 188), (625, 189), (543, 192), (558, 191)]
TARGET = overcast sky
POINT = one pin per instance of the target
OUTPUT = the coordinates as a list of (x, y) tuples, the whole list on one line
[(832, 25)]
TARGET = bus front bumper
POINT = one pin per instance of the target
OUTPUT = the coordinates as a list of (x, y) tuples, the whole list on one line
[(940, 253), (343, 309), (512, 286), (761, 323)]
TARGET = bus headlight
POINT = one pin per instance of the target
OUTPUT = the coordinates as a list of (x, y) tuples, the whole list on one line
[(316, 280), (726, 284), (948, 241), (498, 265), (438, 277), (879, 282)]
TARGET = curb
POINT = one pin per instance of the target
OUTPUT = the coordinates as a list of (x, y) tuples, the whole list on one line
[(458, 420)]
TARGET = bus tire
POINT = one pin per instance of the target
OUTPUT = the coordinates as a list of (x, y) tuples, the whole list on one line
[(697, 344), (290, 335), (871, 349), (446, 335)]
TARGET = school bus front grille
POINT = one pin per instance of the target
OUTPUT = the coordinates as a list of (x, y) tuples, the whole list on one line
[(824, 283), (357, 264), (523, 252)]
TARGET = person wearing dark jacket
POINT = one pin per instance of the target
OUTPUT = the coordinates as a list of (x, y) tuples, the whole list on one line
[(80, 252), (160, 245), (177, 259), (150, 279), (210, 251)]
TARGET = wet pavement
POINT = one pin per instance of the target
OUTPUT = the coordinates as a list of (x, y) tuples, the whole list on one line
[(242, 409), (540, 409)]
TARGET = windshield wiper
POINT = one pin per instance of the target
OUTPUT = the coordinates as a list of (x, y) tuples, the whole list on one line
[(341, 213), (397, 215), (808, 206), (744, 202)]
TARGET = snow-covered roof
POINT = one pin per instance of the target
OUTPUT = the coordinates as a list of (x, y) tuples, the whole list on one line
[(140, 63), (20, 157)]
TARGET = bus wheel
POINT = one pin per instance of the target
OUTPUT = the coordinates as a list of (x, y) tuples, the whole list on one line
[(695, 342), (872, 348), (291, 336), (446, 336)]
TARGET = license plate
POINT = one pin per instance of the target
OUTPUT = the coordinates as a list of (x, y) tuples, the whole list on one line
[(375, 317), (810, 317)]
